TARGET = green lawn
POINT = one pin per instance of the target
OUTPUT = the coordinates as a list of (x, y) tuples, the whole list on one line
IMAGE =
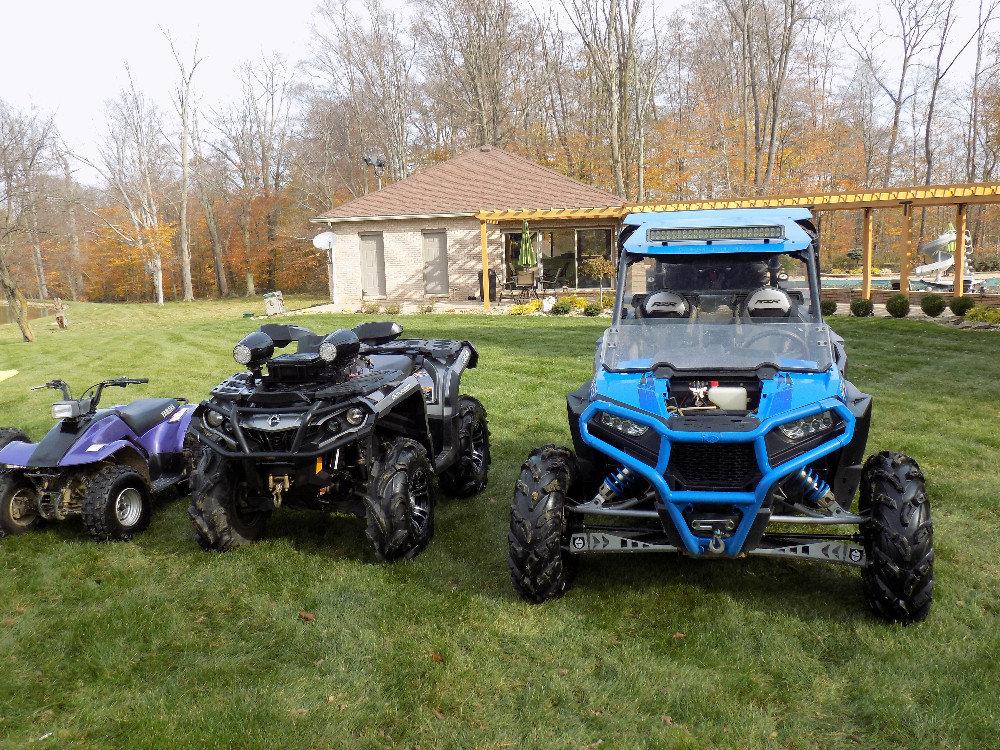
[(156, 644)]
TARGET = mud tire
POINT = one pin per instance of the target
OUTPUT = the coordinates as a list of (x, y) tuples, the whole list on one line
[(399, 504), (470, 472), (220, 521), (540, 567), (102, 491), (898, 538)]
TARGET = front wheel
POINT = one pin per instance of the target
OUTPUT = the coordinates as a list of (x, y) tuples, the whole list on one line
[(898, 538), (18, 505), (116, 504), (470, 472), (220, 511), (399, 506), (540, 567)]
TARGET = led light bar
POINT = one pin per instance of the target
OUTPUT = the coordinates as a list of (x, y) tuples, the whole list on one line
[(694, 234)]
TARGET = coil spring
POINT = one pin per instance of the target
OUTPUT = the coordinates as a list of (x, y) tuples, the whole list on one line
[(814, 488)]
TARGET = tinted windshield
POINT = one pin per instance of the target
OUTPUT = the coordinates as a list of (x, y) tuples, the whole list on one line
[(717, 312)]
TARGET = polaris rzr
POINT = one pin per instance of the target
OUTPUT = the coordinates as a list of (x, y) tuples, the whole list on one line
[(358, 421), (104, 465), (719, 422)]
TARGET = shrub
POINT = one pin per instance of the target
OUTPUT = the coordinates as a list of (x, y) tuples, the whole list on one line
[(961, 305), (593, 310), (575, 301), (862, 308), (562, 307), (933, 305), (527, 308), (828, 307), (427, 308), (391, 309), (898, 305), (986, 262), (984, 315), (370, 308)]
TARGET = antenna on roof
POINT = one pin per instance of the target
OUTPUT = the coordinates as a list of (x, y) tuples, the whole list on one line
[(377, 163)]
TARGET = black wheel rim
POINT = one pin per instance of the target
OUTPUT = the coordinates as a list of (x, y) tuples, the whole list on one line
[(419, 494), (245, 513), (478, 445)]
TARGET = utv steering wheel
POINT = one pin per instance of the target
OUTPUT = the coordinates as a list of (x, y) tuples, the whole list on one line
[(788, 336)]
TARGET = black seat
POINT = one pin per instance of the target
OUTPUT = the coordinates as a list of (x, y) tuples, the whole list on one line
[(385, 362), (143, 415)]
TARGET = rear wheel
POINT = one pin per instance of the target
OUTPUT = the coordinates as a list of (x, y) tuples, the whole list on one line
[(12, 435), (116, 504), (898, 538), (540, 566), (220, 511), (18, 505), (470, 472), (399, 506)]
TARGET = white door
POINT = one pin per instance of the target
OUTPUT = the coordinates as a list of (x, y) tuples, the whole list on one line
[(435, 263), (372, 265)]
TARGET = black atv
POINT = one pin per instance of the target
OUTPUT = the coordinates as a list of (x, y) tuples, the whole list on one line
[(357, 421)]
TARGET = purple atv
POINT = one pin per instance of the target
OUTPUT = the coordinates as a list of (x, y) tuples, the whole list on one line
[(104, 465)]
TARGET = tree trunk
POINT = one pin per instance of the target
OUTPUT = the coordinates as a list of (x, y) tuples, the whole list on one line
[(15, 299), (184, 230), (36, 247), (75, 273), (218, 250)]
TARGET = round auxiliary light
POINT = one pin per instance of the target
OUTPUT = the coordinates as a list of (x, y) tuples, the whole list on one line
[(355, 416), (327, 351), (242, 354), (214, 419)]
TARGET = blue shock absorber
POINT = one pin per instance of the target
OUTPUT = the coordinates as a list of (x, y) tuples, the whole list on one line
[(614, 485), (814, 488)]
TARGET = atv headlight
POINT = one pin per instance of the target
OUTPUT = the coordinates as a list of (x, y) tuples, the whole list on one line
[(801, 429), (355, 416), (327, 352), (66, 410), (624, 426), (214, 420), (255, 347)]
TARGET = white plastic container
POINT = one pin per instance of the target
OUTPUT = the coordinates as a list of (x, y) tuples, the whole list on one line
[(729, 397)]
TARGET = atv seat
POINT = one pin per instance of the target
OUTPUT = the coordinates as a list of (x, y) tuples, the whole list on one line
[(143, 415), (384, 362)]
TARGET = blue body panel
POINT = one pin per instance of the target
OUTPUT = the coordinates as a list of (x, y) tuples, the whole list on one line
[(785, 398), (642, 397)]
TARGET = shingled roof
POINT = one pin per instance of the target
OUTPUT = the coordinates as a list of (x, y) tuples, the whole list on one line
[(485, 178)]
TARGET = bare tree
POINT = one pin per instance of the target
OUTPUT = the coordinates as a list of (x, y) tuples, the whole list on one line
[(183, 94), (75, 280), (915, 21), (208, 187), (133, 161), (24, 137)]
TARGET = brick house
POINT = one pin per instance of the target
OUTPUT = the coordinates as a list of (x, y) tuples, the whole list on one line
[(419, 238)]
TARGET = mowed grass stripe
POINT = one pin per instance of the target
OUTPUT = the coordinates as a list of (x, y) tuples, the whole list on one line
[(154, 643)]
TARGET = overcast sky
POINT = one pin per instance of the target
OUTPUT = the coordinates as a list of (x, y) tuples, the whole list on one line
[(66, 56)]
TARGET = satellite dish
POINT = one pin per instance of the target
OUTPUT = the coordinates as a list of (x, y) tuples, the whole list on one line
[(324, 241)]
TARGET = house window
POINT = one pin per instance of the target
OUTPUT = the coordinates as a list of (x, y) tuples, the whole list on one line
[(562, 251), (593, 243)]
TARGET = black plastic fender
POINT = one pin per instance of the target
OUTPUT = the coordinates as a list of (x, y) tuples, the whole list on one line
[(847, 475)]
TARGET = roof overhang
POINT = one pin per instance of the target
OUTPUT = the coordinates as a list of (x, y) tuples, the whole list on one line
[(399, 217)]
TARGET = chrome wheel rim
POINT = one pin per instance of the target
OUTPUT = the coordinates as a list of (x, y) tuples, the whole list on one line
[(128, 506), (23, 510)]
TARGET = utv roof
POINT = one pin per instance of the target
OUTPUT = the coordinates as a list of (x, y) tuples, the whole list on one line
[(751, 230)]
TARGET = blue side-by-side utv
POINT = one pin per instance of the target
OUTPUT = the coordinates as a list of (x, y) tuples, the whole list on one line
[(719, 422)]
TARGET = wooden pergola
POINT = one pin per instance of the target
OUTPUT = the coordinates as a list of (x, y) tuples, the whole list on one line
[(961, 196)]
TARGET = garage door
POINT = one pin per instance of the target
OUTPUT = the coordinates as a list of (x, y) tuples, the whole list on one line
[(435, 262)]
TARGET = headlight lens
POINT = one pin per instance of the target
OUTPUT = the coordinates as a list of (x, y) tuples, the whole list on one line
[(355, 416), (327, 352), (800, 429), (65, 410), (624, 426), (242, 354), (213, 419)]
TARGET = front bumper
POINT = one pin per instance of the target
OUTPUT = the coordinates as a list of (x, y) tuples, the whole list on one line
[(671, 503)]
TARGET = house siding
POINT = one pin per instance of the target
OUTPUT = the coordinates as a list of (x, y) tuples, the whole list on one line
[(404, 256)]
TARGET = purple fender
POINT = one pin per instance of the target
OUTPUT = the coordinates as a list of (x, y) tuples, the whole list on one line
[(110, 435), (17, 454), (102, 439), (168, 436)]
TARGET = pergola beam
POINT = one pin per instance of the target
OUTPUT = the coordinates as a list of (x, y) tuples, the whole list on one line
[(961, 215), (867, 242)]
